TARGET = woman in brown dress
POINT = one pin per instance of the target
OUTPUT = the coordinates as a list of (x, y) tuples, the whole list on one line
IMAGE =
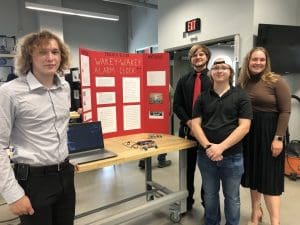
[(263, 146)]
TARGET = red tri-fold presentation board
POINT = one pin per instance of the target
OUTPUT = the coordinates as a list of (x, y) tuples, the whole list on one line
[(127, 92)]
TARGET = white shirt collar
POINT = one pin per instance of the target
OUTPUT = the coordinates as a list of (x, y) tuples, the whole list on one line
[(33, 83)]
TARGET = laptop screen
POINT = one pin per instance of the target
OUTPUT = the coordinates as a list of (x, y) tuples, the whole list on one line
[(85, 136)]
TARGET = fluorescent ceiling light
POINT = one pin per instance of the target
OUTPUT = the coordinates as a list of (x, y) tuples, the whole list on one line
[(133, 3), (67, 11)]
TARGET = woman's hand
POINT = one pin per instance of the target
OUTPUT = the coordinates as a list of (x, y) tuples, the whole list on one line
[(276, 147)]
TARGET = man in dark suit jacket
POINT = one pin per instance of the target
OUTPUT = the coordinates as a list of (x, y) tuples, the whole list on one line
[(199, 56)]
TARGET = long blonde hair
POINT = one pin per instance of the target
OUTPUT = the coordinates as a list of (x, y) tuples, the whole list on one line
[(25, 47), (245, 73)]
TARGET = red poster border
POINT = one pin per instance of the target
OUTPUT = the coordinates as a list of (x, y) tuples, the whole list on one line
[(120, 65)]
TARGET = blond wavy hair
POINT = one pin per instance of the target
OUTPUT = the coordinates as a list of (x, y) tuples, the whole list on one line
[(26, 45), (245, 73)]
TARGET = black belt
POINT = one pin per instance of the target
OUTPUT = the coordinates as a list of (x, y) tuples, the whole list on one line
[(41, 170)]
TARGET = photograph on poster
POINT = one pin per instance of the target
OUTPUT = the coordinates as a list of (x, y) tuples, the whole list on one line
[(156, 115), (156, 98), (76, 94), (75, 76)]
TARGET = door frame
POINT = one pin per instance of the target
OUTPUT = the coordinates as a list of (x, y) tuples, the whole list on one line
[(236, 43)]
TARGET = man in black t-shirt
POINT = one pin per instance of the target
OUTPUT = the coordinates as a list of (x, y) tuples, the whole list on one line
[(221, 118)]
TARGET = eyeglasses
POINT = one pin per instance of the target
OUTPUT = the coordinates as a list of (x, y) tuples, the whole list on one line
[(221, 68)]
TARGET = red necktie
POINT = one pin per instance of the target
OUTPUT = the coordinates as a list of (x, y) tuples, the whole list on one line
[(197, 87)]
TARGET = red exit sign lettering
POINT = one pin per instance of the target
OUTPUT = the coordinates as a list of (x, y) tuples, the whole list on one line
[(192, 25)]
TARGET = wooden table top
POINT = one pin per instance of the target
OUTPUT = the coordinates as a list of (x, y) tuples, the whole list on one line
[(121, 145), (74, 115)]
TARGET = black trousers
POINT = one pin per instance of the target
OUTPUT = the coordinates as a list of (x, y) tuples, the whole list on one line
[(190, 173), (191, 168), (52, 195)]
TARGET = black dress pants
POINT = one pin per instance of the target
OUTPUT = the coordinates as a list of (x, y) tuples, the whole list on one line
[(190, 176), (191, 168), (52, 195)]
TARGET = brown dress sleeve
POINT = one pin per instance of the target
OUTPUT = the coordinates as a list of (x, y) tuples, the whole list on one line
[(283, 98)]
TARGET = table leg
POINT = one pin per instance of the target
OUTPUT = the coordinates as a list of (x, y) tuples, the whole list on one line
[(148, 179), (182, 177)]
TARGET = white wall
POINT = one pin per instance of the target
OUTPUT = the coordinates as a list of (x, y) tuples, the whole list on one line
[(221, 19), (124, 35), (276, 12), (51, 21), (218, 19), (282, 13), (15, 20), (95, 34), (293, 81), (225, 18), (142, 28), (77, 31)]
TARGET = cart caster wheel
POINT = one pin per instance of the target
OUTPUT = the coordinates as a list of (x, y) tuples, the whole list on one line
[(150, 198), (175, 217)]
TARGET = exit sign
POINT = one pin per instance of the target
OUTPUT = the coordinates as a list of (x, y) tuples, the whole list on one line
[(192, 25)]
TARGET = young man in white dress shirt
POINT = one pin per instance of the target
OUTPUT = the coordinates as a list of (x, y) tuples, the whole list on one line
[(34, 117)]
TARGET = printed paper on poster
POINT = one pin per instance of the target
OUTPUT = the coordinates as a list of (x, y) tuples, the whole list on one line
[(106, 97), (86, 99), (105, 82), (85, 70), (108, 118), (156, 78), (87, 116), (131, 89), (132, 117)]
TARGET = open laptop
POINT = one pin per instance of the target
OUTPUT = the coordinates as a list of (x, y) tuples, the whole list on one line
[(85, 143)]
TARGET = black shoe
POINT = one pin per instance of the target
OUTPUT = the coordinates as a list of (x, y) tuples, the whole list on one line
[(189, 204), (165, 163), (189, 207), (142, 164)]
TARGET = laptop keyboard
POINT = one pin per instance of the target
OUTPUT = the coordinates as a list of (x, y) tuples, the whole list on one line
[(83, 154)]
